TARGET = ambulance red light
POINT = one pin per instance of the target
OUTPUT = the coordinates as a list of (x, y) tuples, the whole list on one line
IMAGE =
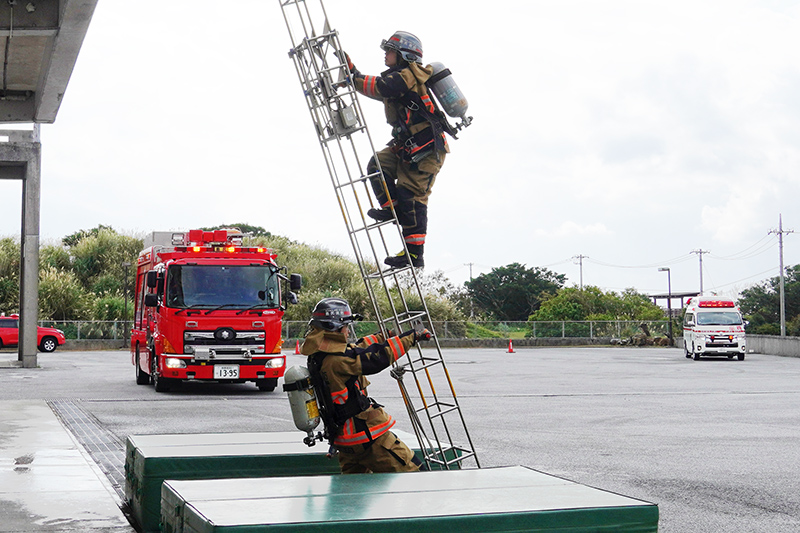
[(715, 303)]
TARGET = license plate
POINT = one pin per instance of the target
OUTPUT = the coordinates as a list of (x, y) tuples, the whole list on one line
[(226, 371)]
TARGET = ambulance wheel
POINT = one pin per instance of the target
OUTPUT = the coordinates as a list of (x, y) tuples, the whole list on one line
[(686, 351), (696, 356), (740, 357), (267, 385), (730, 357), (142, 377)]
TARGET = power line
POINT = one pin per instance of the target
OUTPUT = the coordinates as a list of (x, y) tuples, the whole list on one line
[(652, 265), (765, 244)]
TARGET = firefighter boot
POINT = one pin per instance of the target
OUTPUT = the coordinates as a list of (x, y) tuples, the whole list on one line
[(381, 215), (400, 260)]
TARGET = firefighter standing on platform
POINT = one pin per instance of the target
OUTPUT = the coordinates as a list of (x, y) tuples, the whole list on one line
[(363, 437), (418, 147)]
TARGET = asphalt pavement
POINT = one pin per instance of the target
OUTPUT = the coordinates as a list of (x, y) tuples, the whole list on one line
[(712, 442)]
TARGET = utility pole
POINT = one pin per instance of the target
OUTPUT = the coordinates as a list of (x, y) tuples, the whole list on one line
[(669, 301), (700, 253), (780, 231), (580, 259), (471, 307)]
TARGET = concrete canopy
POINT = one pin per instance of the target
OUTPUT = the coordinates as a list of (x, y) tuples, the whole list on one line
[(39, 45)]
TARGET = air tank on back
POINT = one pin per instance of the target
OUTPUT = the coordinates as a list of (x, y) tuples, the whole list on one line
[(444, 88)]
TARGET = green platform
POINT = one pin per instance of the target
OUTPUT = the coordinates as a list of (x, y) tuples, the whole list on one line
[(503, 499), (151, 459)]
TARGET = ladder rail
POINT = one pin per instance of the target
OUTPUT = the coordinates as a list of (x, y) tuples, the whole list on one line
[(335, 111)]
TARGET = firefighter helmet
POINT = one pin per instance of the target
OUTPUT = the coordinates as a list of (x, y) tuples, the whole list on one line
[(332, 314), (406, 44)]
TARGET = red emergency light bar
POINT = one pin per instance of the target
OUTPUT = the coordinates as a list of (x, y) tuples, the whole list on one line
[(198, 236), (715, 303), (231, 249)]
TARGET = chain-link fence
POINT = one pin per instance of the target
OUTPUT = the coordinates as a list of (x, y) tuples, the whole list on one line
[(446, 330), (90, 329), (453, 330)]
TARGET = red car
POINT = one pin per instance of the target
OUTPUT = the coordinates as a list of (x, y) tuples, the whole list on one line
[(48, 339)]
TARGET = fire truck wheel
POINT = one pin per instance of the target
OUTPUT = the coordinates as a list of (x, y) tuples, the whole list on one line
[(142, 377), (267, 385), (161, 384)]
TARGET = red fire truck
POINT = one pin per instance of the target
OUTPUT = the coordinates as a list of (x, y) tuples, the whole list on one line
[(209, 308)]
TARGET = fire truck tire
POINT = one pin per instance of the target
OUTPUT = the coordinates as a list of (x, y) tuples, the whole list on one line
[(267, 385), (162, 384), (142, 377)]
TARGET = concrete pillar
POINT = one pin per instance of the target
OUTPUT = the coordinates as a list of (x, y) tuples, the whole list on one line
[(20, 158)]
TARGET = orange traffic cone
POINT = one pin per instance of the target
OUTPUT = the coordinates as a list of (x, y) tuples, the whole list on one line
[(297, 348), (510, 346)]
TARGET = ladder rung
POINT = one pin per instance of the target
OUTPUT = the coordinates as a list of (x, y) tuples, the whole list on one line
[(373, 226), (440, 413), (432, 362)]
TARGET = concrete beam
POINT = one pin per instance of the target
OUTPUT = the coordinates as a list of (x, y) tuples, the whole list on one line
[(40, 42)]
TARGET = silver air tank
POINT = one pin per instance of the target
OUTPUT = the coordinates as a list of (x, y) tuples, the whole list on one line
[(444, 87), (302, 399)]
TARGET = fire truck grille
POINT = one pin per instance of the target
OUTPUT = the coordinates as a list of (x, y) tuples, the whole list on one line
[(224, 340)]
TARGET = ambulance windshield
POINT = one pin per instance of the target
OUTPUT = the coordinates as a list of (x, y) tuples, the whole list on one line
[(234, 287), (719, 318)]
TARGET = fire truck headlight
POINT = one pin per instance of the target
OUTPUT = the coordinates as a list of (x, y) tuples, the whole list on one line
[(275, 362), (174, 362)]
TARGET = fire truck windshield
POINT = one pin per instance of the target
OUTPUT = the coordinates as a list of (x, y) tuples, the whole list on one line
[(719, 318), (224, 286)]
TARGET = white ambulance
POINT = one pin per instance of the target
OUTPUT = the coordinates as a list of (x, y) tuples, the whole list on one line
[(713, 326)]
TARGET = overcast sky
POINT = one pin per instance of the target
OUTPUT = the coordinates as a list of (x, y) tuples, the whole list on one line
[(628, 132)]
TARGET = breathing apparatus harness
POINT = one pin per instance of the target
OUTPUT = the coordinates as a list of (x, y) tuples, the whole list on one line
[(334, 416)]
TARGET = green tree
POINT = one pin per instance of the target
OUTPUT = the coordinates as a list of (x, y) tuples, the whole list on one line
[(98, 257), (78, 236), (9, 275), (254, 231), (54, 256), (61, 296), (760, 303), (513, 292), (591, 303)]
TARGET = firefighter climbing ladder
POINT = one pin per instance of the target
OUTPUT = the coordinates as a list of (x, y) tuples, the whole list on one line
[(347, 147)]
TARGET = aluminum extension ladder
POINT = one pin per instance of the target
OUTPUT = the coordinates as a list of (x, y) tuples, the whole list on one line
[(347, 147)]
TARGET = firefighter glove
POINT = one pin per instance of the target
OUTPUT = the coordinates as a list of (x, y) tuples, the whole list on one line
[(422, 335), (347, 61)]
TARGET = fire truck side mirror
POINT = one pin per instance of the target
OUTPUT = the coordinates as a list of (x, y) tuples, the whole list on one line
[(152, 279), (151, 300), (295, 282)]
